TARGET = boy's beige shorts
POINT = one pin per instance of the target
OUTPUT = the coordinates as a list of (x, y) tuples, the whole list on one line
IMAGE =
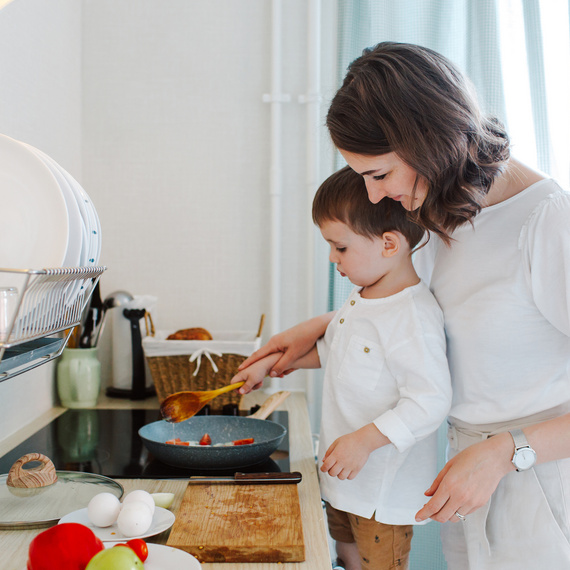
[(381, 546)]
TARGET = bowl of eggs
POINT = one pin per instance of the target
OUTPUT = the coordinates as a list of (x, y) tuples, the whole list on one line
[(138, 515)]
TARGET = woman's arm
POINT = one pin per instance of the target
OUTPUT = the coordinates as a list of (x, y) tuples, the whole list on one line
[(255, 373), (469, 479), (292, 343)]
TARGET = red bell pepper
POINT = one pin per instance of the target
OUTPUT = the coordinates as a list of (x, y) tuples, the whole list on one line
[(67, 546)]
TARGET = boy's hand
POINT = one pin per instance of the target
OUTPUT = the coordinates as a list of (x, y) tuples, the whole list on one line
[(348, 454), (255, 373), (253, 377)]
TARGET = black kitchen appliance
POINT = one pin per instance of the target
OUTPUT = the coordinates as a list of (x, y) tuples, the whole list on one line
[(106, 442), (138, 390)]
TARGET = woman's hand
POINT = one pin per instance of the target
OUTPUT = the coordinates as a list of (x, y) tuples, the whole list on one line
[(292, 343), (468, 480), (348, 454)]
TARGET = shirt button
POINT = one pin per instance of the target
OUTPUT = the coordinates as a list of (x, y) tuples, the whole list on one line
[(341, 321), (366, 349), (353, 302)]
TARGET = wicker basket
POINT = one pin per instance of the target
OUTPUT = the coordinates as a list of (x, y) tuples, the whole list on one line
[(176, 373), (177, 365)]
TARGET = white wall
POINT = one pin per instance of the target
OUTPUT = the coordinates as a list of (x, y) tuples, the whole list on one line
[(40, 103), (156, 108)]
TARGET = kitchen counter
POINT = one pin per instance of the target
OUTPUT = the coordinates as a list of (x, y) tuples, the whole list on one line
[(14, 543)]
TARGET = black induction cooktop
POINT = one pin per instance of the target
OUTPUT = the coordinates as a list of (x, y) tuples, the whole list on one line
[(106, 442)]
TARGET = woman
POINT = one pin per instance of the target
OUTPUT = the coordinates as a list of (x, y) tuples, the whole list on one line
[(498, 262)]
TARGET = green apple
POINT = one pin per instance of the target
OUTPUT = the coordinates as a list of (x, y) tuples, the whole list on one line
[(115, 559)]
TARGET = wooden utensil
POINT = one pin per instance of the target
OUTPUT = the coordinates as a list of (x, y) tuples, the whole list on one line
[(260, 328), (183, 405), (271, 404)]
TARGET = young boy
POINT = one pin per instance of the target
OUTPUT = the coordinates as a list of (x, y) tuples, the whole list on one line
[(387, 386)]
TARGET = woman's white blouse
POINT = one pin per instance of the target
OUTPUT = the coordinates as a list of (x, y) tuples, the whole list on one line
[(504, 288)]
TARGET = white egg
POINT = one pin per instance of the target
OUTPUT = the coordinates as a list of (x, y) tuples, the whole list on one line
[(140, 495), (103, 509), (134, 519)]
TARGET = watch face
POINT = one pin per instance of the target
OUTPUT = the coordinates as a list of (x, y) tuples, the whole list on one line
[(524, 458)]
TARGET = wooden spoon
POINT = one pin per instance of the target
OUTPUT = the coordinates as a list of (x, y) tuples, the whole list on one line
[(183, 405)]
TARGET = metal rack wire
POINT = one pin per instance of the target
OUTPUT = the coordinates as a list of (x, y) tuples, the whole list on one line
[(49, 302)]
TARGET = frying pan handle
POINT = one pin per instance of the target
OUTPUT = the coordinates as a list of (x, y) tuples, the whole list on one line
[(41, 476), (272, 403)]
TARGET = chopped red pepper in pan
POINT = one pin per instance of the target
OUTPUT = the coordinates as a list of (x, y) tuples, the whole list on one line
[(206, 440)]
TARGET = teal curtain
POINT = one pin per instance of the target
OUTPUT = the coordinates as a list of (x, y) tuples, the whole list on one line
[(479, 36), (535, 59), (516, 53)]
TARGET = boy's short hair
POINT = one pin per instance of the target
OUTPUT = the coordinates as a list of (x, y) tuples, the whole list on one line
[(343, 197)]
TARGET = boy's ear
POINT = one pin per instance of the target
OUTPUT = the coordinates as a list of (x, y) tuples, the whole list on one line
[(391, 244)]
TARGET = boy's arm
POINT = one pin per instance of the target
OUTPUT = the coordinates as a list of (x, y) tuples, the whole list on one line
[(309, 360), (291, 344), (255, 373)]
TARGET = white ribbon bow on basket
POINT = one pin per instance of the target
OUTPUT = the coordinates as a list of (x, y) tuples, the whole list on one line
[(198, 355)]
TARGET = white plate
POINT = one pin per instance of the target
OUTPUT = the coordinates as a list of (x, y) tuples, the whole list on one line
[(34, 225), (76, 231), (85, 217), (162, 520), (93, 226), (99, 242), (162, 557)]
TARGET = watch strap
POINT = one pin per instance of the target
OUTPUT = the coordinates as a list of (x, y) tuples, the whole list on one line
[(519, 438)]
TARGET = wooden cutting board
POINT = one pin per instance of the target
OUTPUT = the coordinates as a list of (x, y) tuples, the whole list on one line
[(240, 523)]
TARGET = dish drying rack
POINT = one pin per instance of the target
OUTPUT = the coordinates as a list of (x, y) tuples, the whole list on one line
[(49, 301)]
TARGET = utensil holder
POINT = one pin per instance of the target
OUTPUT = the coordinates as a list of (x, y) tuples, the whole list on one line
[(79, 377)]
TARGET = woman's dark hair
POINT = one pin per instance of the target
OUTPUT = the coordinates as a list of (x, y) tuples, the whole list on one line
[(410, 100), (343, 197)]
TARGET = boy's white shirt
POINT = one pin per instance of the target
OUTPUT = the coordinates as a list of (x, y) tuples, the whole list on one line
[(385, 362)]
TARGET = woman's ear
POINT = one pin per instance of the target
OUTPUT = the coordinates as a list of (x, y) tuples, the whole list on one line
[(391, 244)]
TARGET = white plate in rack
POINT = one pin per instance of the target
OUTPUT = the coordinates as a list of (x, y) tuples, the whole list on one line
[(93, 225), (34, 223), (76, 229), (86, 217)]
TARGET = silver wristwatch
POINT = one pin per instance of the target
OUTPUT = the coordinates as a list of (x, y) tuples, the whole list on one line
[(525, 456)]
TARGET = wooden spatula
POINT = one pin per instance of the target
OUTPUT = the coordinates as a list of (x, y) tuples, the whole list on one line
[(183, 405), (179, 411)]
